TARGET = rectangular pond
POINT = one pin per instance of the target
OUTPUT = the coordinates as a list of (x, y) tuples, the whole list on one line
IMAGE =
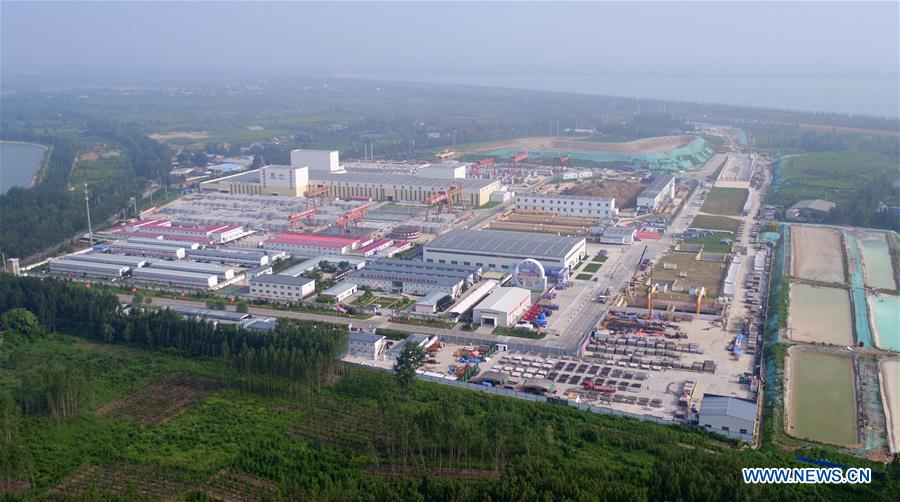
[(884, 313), (820, 315), (890, 390), (876, 256), (822, 397)]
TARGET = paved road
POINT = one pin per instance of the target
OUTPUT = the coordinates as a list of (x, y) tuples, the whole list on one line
[(379, 322)]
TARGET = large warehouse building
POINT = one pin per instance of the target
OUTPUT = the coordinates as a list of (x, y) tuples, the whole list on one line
[(602, 208), (660, 191), (221, 273), (86, 269), (113, 259), (323, 168), (503, 250), (147, 250), (503, 307), (176, 278), (226, 256)]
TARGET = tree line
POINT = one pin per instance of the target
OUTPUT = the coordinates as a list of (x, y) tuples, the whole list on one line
[(52, 211), (296, 352)]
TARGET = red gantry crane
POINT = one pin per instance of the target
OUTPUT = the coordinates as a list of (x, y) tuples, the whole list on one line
[(294, 219), (438, 200), (354, 215), (518, 158)]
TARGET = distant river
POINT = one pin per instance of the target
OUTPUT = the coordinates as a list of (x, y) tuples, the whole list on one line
[(18, 163), (866, 96)]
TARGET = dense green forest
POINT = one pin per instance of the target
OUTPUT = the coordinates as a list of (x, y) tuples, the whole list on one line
[(54, 210), (85, 412), (860, 183)]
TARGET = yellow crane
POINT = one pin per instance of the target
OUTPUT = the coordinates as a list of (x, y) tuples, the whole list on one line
[(701, 293)]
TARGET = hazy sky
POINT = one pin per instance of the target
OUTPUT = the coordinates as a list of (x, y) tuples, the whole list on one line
[(669, 38)]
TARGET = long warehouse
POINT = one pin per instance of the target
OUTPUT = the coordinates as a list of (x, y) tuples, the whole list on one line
[(112, 259), (229, 257), (149, 250), (174, 277), (86, 269), (501, 249), (468, 273), (163, 242), (221, 273)]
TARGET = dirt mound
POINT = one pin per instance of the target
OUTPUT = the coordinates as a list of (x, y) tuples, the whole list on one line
[(625, 192)]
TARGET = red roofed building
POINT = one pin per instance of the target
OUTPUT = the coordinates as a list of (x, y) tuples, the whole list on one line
[(311, 244)]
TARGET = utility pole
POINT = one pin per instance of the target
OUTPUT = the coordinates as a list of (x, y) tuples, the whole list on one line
[(87, 206)]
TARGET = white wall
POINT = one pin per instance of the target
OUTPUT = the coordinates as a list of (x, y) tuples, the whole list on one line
[(316, 160)]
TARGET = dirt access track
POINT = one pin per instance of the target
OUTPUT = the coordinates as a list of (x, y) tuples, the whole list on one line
[(661, 144), (162, 137)]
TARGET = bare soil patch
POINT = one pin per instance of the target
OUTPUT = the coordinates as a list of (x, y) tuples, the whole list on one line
[(661, 144), (161, 400), (118, 481), (231, 486), (625, 192), (162, 137), (817, 254), (412, 470)]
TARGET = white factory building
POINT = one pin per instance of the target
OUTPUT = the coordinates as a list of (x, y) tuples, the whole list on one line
[(661, 190), (503, 307), (618, 235), (729, 416), (503, 250), (428, 305), (447, 171), (281, 287), (365, 345), (322, 167), (339, 292), (583, 206)]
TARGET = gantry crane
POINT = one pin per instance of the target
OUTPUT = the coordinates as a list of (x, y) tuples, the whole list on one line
[(442, 197), (315, 193), (294, 219), (354, 215)]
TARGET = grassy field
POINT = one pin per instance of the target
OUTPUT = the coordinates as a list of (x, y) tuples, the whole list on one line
[(584, 277), (519, 332), (600, 258), (708, 222), (711, 242), (94, 171), (592, 267), (834, 176), (725, 201)]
